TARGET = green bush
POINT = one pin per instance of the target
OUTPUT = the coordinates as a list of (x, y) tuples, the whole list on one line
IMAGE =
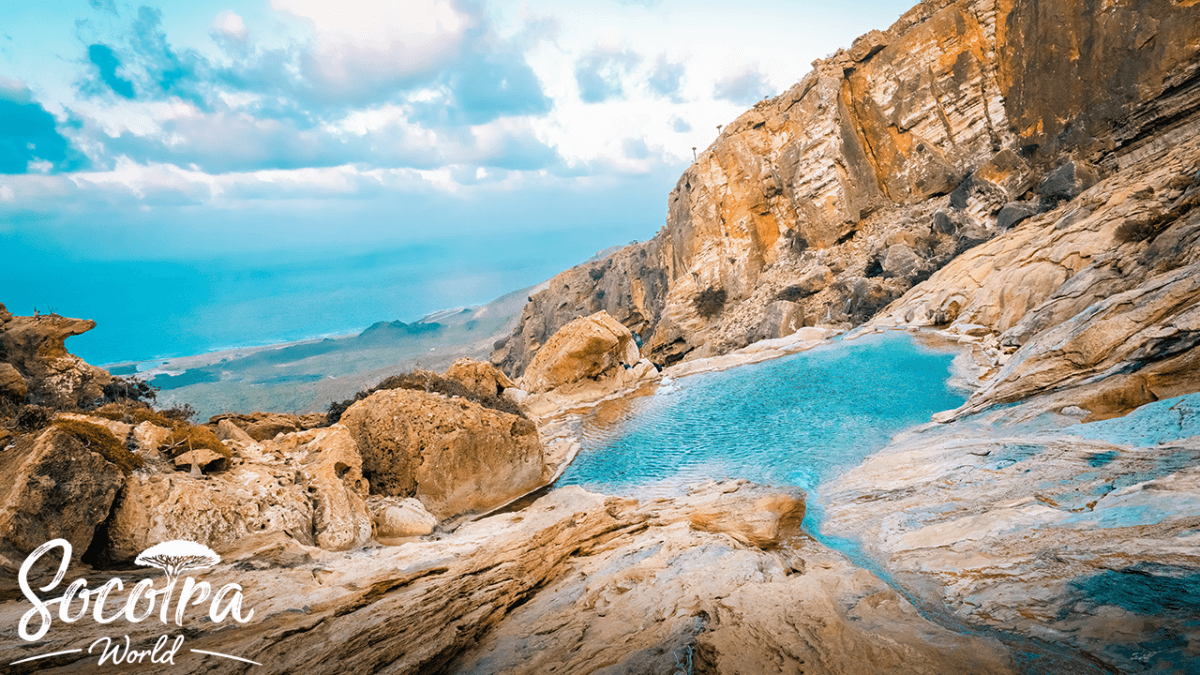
[(98, 439)]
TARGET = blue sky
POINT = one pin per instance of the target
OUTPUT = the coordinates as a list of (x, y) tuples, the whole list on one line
[(211, 130)]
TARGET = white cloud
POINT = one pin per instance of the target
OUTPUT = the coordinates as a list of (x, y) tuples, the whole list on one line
[(361, 45), (230, 26)]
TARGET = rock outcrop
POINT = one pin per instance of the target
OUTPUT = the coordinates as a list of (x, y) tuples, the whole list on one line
[(576, 582), (586, 348), (34, 360), (887, 161), (482, 379), (307, 485), (1095, 301), (52, 486), (453, 455)]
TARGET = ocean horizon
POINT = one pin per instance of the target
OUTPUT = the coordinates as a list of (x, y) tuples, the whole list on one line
[(148, 310)]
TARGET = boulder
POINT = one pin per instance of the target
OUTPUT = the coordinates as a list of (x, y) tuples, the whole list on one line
[(217, 512), (147, 436), (588, 347), (454, 455), (34, 346), (781, 319), (261, 426), (1014, 212), (331, 468), (482, 379), (315, 493), (52, 486), (901, 261), (12, 383), (1066, 182), (395, 518)]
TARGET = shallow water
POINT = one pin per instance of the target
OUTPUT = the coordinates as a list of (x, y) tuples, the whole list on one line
[(796, 421)]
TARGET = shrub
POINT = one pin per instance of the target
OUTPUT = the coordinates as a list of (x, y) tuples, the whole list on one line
[(429, 382), (132, 413), (98, 439), (188, 437), (794, 293), (180, 412), (1142, 228), (34, 417), (710, 302), (123, 389)]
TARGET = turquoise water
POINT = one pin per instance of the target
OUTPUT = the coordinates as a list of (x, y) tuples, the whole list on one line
[(794, 421)]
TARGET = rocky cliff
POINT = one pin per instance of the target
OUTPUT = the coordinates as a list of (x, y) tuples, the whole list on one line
[(888, 160)]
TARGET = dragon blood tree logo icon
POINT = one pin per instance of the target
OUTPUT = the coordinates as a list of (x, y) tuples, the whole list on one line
[(176, 559)]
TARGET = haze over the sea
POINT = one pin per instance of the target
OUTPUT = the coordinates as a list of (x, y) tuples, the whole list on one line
[(223, 173)]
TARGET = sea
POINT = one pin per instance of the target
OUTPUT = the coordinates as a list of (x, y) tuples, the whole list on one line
[(152, 309)]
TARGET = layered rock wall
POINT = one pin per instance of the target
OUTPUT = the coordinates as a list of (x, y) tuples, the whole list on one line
[(904, 148)]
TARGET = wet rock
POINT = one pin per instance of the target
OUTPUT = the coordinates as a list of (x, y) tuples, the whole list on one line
[(454, 455), (52, 486), (587, 348)]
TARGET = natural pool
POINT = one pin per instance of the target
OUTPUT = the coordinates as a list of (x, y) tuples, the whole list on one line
[(796, 420)]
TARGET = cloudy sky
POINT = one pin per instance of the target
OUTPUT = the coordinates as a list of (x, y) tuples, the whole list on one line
[(207, 130)]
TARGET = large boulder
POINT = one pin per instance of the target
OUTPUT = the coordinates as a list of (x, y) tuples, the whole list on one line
[(34, 347), (454, 455), (482, 379), (52, 486), (588, 347)]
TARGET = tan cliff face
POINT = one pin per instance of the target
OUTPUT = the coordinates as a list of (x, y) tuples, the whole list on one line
[(882, 165)]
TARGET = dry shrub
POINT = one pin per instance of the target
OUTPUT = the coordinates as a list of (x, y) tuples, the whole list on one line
[(98, 439)]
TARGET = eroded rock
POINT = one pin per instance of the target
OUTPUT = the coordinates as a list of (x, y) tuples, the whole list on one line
[(52, 486), (587, 348), (454, 455)]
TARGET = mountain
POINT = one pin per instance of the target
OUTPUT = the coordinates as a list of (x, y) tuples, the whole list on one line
[(890, 159)]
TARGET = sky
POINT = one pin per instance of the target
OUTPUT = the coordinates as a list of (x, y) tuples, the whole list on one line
[(222, 137)]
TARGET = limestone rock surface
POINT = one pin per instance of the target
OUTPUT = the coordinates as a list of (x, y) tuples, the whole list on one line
[(453, 455), (481, 378), (34, 347), (586, 348), (52, 486), (578, 582)]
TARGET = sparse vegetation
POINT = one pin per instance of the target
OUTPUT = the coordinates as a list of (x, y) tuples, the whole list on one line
[(1143, 228), (188, 437), (98, 439), (128, 389), (429, 382), (710, 302)]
